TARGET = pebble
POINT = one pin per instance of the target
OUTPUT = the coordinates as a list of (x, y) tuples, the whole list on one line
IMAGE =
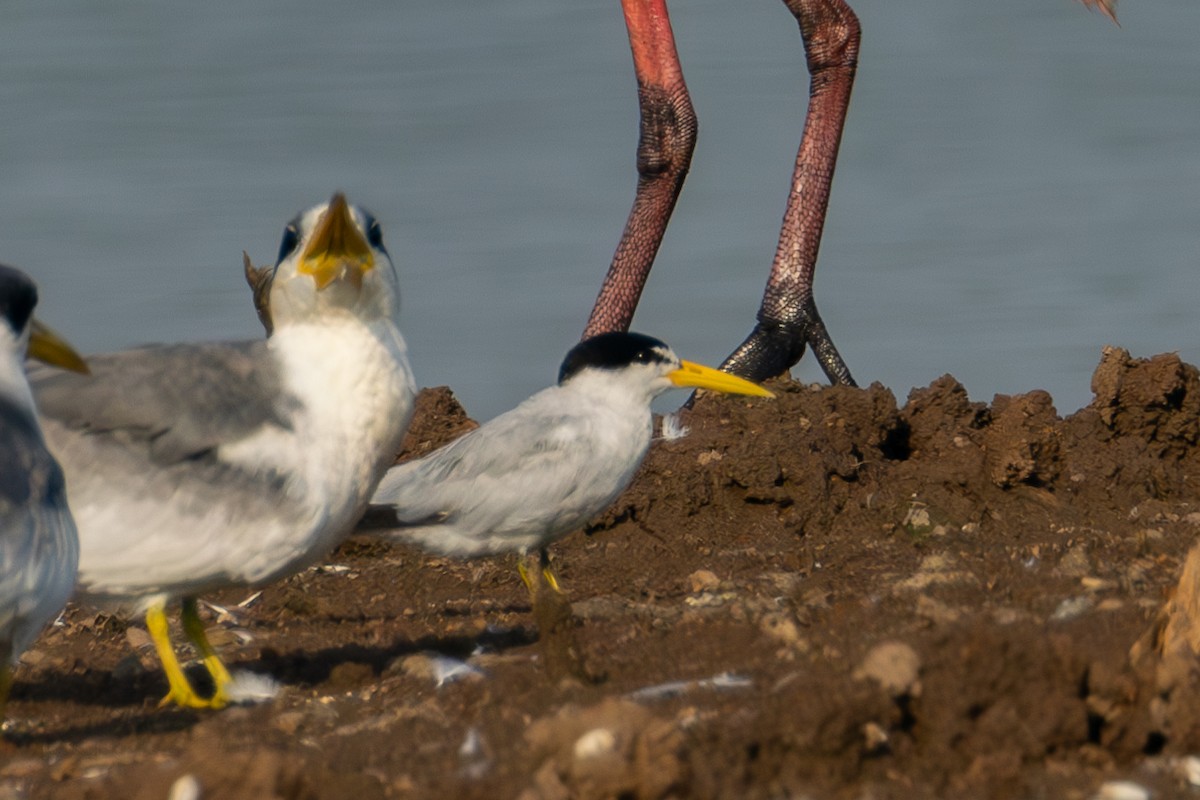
[(703, 581), (186, 787), (780, 626), (894, 666), (594, 743), (1122, 790), (1191, 770)]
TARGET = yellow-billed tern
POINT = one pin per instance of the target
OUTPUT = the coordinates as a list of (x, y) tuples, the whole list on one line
[(39, 549), (543, 469), (195, 467)]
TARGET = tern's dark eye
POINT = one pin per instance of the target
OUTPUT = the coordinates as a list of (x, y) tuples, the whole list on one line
[(291, 240), (374, 233), (644, 357)]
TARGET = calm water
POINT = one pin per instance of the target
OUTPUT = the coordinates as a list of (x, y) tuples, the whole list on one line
[(1019, 183)]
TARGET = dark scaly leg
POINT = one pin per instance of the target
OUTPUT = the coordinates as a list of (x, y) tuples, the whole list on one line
[(788, 320), (665, 144)]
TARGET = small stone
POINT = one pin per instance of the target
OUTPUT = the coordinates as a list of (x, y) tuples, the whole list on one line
[(1075, 564), (185, 787), (703, 581), (1190, 767), (1122, 790), (875, 738), (596, 742), (894, 666), (780, 626), (289, 722)]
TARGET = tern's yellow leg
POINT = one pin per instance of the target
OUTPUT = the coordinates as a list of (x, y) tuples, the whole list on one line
[(181, 693), (194, 628), (544, 566)]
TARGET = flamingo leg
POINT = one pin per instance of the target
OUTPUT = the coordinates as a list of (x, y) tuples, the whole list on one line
[(665, 143), (788, 320)]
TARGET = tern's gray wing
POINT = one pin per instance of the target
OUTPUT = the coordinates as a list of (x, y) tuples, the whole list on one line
[(38, 546), (181, 401), (25, 465), (505, 446), (515, 472)]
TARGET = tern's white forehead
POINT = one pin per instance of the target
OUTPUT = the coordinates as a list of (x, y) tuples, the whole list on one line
[(304, 224)]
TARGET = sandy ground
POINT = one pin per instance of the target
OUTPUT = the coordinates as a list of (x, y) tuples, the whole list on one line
[(830, 595)]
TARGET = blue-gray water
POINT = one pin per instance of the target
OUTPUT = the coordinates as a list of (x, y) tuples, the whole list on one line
[(1019, 182)]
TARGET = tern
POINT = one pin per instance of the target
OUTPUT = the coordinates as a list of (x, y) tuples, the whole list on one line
[(535, 473), (201, 466), (39, 549)]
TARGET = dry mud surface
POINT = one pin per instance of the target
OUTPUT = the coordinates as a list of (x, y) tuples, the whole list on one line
[(831, 595)]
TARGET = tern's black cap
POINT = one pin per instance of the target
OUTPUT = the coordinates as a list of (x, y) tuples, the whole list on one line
[(18, 296), (612, 351)]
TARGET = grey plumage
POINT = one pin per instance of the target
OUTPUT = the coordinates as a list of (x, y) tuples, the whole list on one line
[(38, 546), (178, 401)]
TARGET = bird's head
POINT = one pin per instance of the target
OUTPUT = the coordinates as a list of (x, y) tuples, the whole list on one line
[(22, 333), (332, 258), (641, 364)]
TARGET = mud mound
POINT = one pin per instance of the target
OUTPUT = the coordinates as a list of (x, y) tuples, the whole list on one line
[(827, 595)]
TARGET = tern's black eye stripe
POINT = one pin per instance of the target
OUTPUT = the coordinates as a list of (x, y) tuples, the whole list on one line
[(18, 296), (374, 233), (291, 239)]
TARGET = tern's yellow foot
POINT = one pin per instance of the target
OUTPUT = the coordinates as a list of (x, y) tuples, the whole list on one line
[(194, 628), (181, 692)]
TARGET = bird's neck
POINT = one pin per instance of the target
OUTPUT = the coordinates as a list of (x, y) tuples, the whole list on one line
[(356, 390), (13, 383)]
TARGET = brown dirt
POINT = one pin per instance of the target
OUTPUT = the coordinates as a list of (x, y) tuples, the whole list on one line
[(943, 599)]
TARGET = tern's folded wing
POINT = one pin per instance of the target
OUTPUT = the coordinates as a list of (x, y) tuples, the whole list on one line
[(178, 401)]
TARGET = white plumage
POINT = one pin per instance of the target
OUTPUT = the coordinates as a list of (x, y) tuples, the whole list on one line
[(201, 466)]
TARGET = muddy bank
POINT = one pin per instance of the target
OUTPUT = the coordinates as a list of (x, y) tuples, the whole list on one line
[(829, 595)]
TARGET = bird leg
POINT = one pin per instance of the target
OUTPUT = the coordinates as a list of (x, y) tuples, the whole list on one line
[(666, 140), (558, 642), (181, 692), (193, 626), (788, 318), (532, 583)]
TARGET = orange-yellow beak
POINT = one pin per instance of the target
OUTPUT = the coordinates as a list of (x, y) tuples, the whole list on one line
[(702, 377), (48, 347), (337, 251)]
